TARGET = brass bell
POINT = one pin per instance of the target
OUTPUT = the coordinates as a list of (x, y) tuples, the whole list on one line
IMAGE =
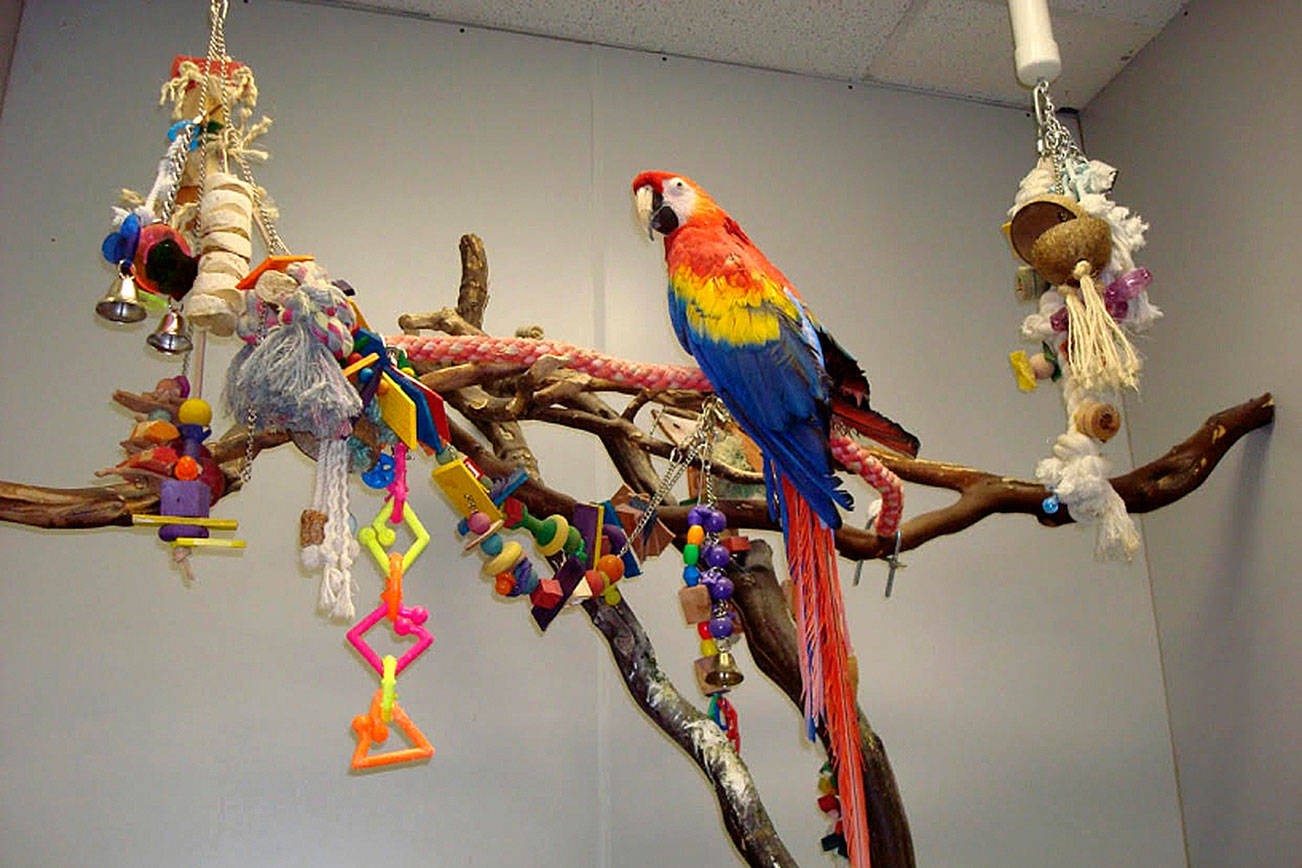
[(724, 672), (172, 336), (121, 304)]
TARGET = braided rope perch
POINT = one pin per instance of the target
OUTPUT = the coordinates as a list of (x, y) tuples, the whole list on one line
[(463, 349)]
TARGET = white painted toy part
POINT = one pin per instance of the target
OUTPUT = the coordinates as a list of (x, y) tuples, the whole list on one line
[(1034, 50)]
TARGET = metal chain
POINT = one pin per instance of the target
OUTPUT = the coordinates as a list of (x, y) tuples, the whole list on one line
[(699, 446), (1054, 140)]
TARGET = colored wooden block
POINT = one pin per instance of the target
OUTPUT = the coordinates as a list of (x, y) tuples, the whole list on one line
[(735, 544), (569, 576), (588, 520), (695, 602), (703, 667), (828, 803), (184, 498), (548, 594), (464, 490)]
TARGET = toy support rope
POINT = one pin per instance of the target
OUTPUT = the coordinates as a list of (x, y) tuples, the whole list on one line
[(525, 351)]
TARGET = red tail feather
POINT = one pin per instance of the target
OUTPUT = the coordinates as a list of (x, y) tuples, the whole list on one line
[(824, 643)]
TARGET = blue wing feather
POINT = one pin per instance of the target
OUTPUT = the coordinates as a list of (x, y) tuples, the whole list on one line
[(779, 394)]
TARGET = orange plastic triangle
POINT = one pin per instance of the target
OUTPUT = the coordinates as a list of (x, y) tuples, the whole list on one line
[(371, 730)]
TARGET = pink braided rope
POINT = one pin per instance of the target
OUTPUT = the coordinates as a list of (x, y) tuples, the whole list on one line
[(859, 460), (484, 348), (525, 351)]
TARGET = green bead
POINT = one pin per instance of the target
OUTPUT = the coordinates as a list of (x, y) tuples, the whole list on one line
[(691, 554)]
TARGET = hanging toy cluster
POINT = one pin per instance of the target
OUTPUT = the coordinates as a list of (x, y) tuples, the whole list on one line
[(166, 449), (1078, 246), (168, 249), (580, 550)]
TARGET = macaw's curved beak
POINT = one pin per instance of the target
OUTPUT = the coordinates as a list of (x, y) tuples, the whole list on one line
[(654, 214)]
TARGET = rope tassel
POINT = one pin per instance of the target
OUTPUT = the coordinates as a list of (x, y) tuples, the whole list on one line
[(1100, 354)]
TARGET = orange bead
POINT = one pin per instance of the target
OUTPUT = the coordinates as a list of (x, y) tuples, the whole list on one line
[(596, 581), (612, 566), (504, 584), (695, 534), (186, 468)]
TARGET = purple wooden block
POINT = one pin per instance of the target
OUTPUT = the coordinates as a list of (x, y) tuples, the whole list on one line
[(569, 575), (187, 497)]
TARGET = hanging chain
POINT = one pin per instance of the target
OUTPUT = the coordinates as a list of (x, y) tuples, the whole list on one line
[(1053, 140), (700, 446)]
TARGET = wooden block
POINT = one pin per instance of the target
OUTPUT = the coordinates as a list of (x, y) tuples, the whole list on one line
[(702, 668), (568, 576), (735, 543), (695, 602), (548, 594)]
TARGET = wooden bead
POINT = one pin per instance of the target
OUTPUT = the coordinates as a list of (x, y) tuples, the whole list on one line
[(1098, 420), (502, 563), (611, 566)]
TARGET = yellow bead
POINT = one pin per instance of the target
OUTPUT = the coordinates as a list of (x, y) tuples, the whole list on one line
[(709, 648), (194, 411), (612, 596)]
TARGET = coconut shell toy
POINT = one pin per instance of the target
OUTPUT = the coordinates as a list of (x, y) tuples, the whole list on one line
[(1078, 248)]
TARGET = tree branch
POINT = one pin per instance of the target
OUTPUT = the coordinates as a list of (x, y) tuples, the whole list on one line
[(496, 398)]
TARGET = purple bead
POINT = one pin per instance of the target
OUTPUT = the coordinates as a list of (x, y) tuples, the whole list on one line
[(715, 521), (721, 628), (712, 575), (716, 555), (1117, 308), (721, 589), (696, 515), (1058, 320), (1130, 284)]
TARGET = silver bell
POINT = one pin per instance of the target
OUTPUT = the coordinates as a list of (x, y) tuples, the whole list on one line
[(121, 304), (172, 336)]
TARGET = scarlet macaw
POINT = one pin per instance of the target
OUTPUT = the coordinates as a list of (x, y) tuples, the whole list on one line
[(782, 377)]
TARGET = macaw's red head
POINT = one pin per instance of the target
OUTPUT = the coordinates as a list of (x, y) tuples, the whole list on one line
[(666, 202)]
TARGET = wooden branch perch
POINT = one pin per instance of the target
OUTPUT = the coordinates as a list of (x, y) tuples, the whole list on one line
[(497, 397)]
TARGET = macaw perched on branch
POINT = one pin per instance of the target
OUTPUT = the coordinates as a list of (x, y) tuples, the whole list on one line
[(783, 378)]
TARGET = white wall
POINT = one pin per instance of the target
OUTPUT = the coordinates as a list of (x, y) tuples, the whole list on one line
[(1016, 683), (1204, 125)]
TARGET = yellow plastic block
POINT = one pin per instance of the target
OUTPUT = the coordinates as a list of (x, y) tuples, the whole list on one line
[(398, 411), (465, 492)]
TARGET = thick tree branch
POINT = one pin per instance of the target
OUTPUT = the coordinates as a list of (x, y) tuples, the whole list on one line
[(496, 398), (744, 817)]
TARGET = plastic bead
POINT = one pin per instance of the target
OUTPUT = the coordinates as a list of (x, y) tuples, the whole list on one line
[(691, 554), (596, 581), (186, 468), (194, 411), (709, 647), (612, 596), (715, 521), (478, 522), (716, 555), (696, 515), (703, 630), (611, 566), (720, 628), (721, 589), (504, 584), (695, 534), (691, 575), (1050, 504), (492, 545)]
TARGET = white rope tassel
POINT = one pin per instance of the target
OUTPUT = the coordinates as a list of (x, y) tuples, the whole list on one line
[(339, 548), (1078, 475), (225, 248), (1098, 351)]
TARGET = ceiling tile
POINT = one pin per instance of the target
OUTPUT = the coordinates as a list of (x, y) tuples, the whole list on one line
[(965, 47)]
